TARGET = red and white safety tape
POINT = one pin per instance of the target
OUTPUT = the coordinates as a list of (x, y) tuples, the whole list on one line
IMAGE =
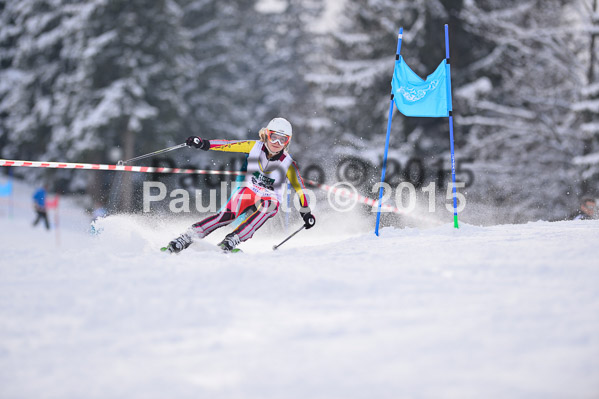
[(126, 168), (150, 169), (353, 194)]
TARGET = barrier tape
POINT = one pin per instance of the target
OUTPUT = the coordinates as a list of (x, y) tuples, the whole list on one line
[(358, 197), (126, 168), (150, 169)]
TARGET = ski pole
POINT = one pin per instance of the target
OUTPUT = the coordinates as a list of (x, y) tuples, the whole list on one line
[(152, 153), (274, 248)]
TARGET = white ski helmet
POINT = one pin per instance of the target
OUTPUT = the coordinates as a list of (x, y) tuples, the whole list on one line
[(280, 125)]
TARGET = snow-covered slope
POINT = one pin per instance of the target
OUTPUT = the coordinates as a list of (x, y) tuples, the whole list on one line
[(507, 311)]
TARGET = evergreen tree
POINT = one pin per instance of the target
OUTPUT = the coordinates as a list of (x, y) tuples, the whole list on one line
[(249, 65), (516, 113), (83, 76), (587, 107)]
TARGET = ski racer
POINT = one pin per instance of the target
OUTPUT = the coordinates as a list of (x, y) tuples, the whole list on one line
[(268, 166)]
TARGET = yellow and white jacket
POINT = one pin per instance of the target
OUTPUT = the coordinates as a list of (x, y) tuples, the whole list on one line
[(266, 177)]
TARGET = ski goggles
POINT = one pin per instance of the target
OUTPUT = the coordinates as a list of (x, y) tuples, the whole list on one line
[(275, 137)]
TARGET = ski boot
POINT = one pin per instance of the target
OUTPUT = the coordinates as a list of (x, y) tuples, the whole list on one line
[(229, 243), (178, 244)]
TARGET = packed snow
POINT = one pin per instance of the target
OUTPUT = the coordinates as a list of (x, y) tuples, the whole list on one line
[(505, 311)]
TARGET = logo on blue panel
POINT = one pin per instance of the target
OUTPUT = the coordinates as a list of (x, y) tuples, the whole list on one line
[(412, 95)]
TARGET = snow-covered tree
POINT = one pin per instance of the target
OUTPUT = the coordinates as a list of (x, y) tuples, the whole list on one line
[(249, 63), (80, 77), (516, 113), (588, 105)]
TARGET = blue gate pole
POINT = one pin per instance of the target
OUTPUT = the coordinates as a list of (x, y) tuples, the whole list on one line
[(450, 112), (378, 214)]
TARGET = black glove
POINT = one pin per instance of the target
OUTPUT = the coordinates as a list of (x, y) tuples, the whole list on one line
[(197, 142), (309, 220)]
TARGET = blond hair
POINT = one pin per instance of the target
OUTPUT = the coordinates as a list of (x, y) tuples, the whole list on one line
[(262, 134)]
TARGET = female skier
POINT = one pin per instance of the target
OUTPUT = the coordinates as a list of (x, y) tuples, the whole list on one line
[(269, 165)]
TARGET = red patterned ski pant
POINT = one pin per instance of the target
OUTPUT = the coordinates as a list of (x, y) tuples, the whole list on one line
[(259, 210)]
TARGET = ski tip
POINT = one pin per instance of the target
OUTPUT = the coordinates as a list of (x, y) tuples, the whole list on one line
[(233, 251)]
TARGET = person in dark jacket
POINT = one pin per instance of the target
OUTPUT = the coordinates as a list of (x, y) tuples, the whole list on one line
[(39, 204)]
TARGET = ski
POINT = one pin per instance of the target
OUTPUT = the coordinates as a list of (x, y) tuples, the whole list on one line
[(233, 251)]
